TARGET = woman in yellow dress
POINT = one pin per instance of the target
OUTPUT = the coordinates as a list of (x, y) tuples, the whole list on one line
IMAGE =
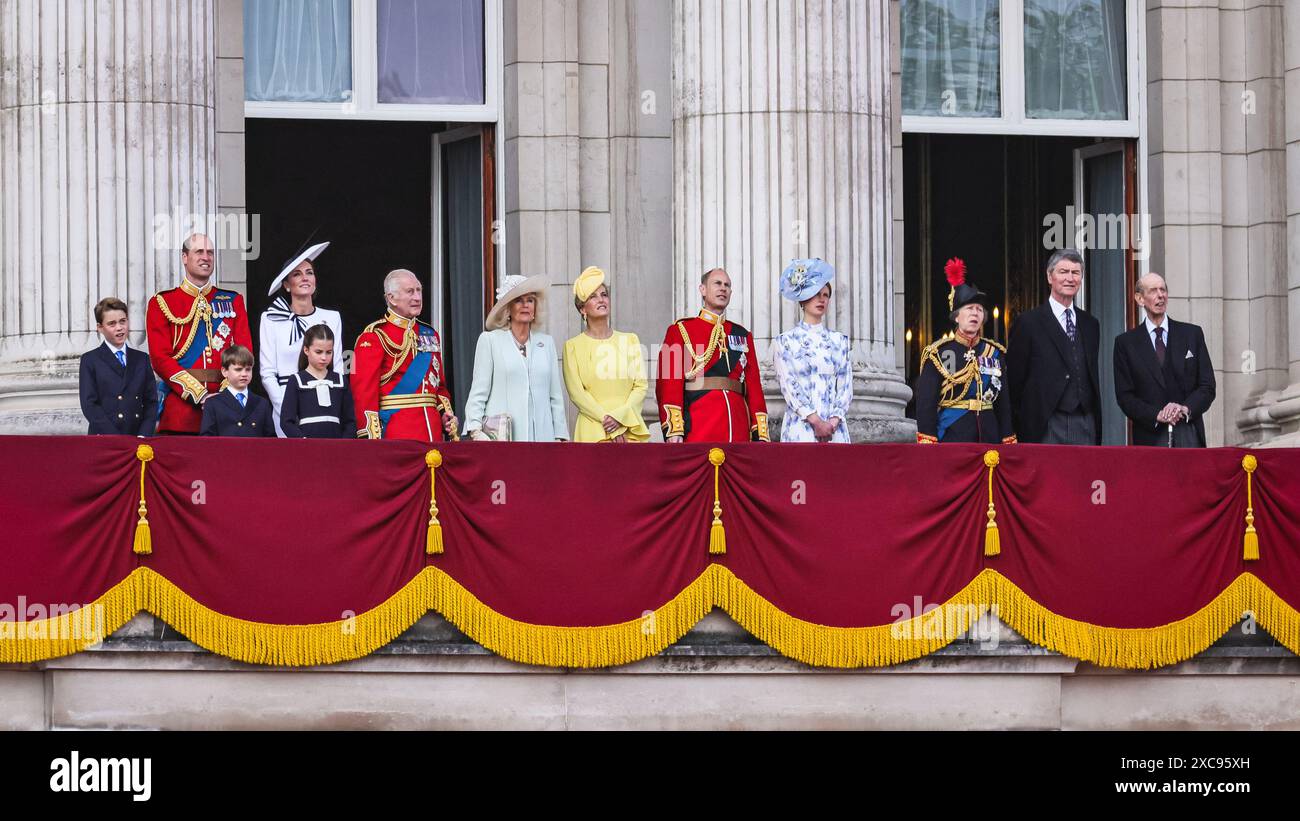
[(603, 370)]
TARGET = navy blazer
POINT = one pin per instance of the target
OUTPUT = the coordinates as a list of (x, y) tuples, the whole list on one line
[(118, 400), (222, 416), (1143, 387), (1038, 369)]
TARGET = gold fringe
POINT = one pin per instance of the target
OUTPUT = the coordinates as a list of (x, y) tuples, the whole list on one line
[(717, 535), (1138, 648), (72, 632), (555, 646), (284, 644), (608, 645), (877, 646), (992, 543), (142, 545), (1250, 546), (433, 538), (1279, 619)]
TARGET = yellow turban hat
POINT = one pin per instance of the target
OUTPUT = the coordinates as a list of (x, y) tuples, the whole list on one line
[(587, 282)]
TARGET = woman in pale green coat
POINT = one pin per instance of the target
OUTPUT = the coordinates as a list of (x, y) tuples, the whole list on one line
[(517, 368)]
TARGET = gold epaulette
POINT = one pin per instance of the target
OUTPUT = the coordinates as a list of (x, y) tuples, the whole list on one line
[(1001, 348), (933, 347)]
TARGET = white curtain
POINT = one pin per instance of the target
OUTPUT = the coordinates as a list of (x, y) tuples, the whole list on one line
[(950, 58), (431, 52), (298, 50), (1076, 59)]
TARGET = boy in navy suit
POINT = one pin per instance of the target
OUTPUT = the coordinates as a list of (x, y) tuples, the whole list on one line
[(234, 410), (119, 394)]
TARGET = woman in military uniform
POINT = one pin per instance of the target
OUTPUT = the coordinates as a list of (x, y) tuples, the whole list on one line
[(960, 392)]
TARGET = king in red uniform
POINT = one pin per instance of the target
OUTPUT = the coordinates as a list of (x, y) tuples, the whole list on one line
[(708, 385), (188, 328), (399, 389)]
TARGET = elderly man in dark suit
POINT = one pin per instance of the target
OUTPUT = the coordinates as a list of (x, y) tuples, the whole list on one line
[(118, 392), (1164, 381), (1052, 363)]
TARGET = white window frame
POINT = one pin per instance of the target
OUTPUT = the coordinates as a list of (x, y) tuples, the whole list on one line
[(1012, 99), (365, 104)]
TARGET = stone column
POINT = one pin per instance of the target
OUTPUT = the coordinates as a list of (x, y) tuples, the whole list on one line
[(1271, 414), (781, 129), (107, 117)]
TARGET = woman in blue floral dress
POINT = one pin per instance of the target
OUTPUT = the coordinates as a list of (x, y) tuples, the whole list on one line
[(812, 362)]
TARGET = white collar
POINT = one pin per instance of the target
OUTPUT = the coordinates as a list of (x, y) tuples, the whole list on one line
[(1151, 328), (114, 351), (234, 392), (1058, 309)]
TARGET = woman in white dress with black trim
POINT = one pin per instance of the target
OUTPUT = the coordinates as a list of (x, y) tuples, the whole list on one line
[(292, 312)]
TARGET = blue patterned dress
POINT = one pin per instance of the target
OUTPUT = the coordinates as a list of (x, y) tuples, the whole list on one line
[(813, 367)]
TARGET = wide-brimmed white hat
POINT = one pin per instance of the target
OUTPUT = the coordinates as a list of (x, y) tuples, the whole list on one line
[(511, 288), (310, 253)]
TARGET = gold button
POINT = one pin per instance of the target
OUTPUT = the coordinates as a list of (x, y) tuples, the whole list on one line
[(119, 416), (119, 398), (241, 424)]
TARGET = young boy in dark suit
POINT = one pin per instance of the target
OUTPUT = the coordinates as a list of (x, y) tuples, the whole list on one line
[(234, 410), (119, 394)]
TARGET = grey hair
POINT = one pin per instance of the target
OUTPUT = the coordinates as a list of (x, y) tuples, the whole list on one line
[(390, 281), (1137, 285), (1067, 254)]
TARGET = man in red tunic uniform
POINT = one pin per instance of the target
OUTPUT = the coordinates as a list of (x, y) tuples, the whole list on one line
[(708, 385), (398, 385), (188, 327)]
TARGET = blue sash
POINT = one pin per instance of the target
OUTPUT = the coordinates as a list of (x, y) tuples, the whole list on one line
[(975, 390), (410, 380)]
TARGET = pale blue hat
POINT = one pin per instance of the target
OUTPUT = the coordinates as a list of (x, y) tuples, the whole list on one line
[(803, 278)]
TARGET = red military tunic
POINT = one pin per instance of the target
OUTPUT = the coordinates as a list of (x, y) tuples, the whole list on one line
[(187, 329), (398, 387), (708, 385)]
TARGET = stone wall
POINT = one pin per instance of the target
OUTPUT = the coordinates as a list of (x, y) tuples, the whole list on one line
[(716, 677)]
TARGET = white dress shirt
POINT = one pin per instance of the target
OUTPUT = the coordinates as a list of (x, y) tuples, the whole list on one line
[(1151, 331), (1059, 310)]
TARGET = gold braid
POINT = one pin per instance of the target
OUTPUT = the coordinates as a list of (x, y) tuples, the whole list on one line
[(698, 362), (956, 384), (399, 353), (204, 313)]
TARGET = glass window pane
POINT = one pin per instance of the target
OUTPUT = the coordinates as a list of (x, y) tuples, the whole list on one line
[(430, 52), (950, 58), (1076, 59), (298, 50)]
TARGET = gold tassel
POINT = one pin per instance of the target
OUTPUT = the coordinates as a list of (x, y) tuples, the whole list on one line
[(433, 541), (992, 542), (717, 536), (1250, 550), (143, 544)]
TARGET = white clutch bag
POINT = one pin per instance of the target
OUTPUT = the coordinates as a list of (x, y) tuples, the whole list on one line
[(497, 427)]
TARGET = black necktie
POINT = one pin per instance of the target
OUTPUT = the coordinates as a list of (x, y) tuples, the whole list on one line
[(1160, 346)]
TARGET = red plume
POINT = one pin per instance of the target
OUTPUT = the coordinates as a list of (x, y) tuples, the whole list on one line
[(955, 270)]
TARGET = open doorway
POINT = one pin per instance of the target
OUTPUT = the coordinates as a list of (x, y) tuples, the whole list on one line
[(989, 199), (385, 195)]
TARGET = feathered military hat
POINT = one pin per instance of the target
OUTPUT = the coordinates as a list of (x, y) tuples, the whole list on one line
[(961, 292)]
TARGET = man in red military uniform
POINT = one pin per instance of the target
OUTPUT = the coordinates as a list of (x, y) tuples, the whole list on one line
[(708, 385), (398, 385), (188, 327)]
